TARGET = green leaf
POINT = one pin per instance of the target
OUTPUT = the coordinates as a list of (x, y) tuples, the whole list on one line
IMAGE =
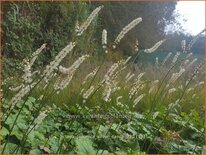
[(39, 135), (135, 148), (35, 151), (4, 131), (103, 130), (120, 152), (84, 145), (10, 120), (132, 131), (103, 152), (30, 102), (22, 126), (54, 143), (9, 148)]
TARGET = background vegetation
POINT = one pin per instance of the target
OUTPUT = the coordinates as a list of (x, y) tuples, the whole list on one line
[(27, 25)]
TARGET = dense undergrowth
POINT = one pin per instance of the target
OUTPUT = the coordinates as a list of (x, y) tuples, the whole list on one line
[(103, 106)]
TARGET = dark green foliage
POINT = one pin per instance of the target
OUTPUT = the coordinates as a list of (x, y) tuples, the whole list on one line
[(27, 26), (155, 17), (179, 134)]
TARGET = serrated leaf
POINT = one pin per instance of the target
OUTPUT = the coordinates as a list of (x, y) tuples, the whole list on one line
[(4, 131), (84, 145), (22, 126), (103, 152), (35, 151), (9, 148), (103, 130)]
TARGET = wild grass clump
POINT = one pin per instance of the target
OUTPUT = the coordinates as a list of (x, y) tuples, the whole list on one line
[(105, 107)]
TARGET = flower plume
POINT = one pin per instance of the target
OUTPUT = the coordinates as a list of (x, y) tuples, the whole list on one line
[(155, 47), (126, 29), (88, 21)]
